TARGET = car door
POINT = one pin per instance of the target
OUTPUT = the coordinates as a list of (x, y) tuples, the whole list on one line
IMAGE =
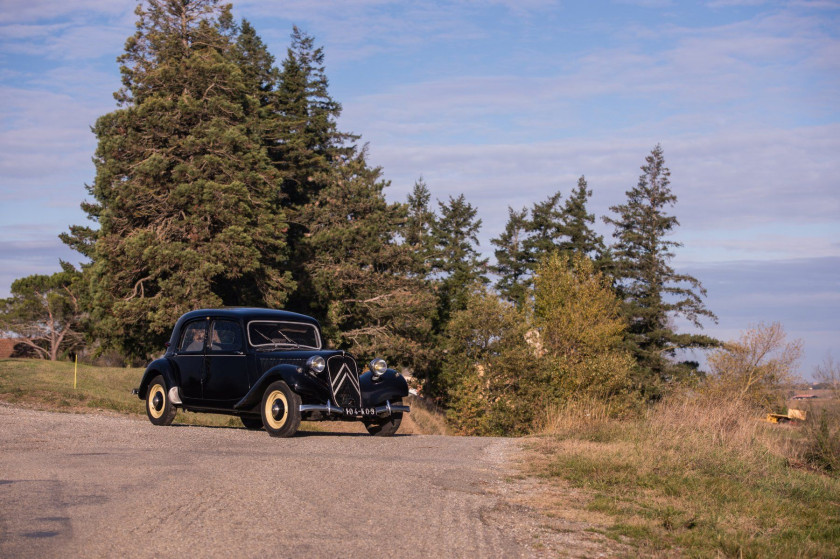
[(226, 380), (189, 357)]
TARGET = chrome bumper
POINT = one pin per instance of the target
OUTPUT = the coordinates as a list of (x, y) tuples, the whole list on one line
[(381, 411)]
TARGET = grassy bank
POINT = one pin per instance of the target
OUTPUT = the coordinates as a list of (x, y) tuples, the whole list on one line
[(48, 385), (692, 478)]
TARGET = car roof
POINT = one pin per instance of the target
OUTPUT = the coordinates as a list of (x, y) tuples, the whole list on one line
[(248, 313)]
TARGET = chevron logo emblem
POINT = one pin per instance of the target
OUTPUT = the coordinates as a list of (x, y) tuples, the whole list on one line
[(343, 377)]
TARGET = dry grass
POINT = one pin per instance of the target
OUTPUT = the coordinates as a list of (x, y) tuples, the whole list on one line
[(425, 418), (693, 477)]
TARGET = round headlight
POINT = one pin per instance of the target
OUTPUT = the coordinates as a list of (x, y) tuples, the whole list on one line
[(378, 367), (316, 363)]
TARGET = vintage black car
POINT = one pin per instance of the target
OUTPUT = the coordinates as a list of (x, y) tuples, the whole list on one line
[(270, 368)]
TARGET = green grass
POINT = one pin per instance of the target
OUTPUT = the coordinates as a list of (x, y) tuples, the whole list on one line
[(690, 489)]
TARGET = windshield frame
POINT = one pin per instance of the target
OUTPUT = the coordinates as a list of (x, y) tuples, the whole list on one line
[(293, 345)]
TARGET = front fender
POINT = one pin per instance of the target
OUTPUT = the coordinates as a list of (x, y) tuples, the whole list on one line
[(157, 367), (390, 386), (300, 382)]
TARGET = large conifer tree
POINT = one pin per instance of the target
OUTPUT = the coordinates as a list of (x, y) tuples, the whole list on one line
[(185, 195), (652, 292), (363, 283)]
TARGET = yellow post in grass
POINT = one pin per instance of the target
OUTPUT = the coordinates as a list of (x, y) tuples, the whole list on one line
[(75, 371)]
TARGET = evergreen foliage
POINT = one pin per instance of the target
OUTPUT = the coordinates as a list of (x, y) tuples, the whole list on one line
[(530, 237), (307, 148), (361, 275), (307, 140), (417, 233), (456, 260), (546, 230), (577, 225), (185, 195), (653, 293), (512, 258)]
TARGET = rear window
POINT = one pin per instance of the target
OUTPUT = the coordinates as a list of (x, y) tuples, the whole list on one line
[(270, 333)]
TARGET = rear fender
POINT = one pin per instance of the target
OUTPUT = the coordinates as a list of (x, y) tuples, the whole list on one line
[(157, 367)]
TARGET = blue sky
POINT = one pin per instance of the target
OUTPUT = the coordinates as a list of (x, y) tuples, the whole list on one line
[(509, 101)]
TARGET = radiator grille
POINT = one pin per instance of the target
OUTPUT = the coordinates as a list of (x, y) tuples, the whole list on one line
[(344, 381)]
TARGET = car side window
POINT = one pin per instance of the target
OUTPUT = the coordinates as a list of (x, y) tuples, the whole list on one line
[(192, 338), (225, 335)]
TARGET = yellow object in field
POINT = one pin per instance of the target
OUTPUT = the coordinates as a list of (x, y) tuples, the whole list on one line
[(791, 414)]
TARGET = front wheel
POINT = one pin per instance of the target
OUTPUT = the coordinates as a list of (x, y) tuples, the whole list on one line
[(159, 407), (280, 410), (385, 427)]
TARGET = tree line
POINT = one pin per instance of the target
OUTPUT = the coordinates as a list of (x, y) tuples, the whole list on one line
[(222, 179)]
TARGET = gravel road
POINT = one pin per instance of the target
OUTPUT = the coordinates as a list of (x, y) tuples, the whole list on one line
[(107, 486)]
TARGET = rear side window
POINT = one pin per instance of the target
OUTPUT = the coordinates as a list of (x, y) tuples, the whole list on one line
[(225, 335), (270, 333), (192, 338)]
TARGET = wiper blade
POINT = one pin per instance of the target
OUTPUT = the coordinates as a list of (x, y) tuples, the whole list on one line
[(288, 339), (276, 345)]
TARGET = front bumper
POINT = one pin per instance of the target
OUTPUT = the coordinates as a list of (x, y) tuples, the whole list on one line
[(378, 411)]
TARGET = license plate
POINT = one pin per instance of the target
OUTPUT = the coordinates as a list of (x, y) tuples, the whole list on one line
[(359, 411)]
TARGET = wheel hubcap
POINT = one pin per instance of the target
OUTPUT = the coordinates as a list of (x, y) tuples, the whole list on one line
[(277, 409), (157, 401)]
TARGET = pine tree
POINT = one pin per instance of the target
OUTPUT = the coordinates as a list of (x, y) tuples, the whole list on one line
[(307, 140), (546, 230), (257, 66), (417, 232), (512, 258), (307, 148), (651, 290), (456, 261), (185, 195), (577, 225)]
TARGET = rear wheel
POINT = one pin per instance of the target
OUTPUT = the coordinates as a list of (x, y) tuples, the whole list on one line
[(280, 410), (159, 407), (385, 427)]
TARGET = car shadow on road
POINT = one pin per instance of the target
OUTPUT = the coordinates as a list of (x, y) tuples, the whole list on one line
[(302, 433)]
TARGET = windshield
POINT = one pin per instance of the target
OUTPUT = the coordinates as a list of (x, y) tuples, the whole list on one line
[(271, 333)]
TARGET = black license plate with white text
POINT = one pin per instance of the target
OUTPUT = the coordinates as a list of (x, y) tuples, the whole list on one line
[(360, 412)]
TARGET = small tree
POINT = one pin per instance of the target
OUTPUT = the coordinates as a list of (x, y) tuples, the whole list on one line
[(828, 373), (488, 370), (45, 312), (756, 366), (578, 317)]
